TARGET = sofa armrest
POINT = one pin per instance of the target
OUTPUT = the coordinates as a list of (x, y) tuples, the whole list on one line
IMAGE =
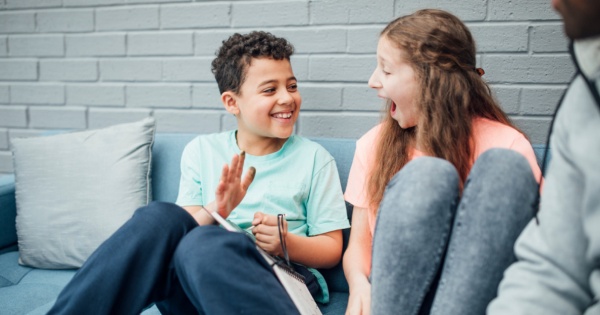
[(8, 213)]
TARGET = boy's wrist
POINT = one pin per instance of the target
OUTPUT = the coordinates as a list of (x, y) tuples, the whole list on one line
[(211, 206), (203, 216)]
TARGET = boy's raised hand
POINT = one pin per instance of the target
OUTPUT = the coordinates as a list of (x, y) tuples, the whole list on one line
[(231, 188), (267, 234)]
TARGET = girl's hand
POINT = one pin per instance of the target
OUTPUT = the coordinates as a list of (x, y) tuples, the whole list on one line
[(267, 233), (231, 188), (359, 301)]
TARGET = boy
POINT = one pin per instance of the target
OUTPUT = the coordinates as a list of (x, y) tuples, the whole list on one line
[(177, 258)]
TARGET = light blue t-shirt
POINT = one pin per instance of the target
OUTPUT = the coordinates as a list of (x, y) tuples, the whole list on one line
[(300, 180)]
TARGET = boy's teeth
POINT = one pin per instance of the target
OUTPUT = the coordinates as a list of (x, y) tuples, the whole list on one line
[(283, 115)]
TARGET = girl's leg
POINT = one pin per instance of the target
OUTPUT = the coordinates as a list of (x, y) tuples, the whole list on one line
[(130, 269), (496, 205), (412, 232), (223, 273)]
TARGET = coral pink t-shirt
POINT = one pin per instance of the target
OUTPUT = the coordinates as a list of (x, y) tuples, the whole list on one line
[(488, 134)]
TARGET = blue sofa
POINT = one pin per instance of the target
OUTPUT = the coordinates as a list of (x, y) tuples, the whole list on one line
[(26, 290)]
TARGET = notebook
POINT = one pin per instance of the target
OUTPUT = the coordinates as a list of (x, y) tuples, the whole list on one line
[(292, 282)]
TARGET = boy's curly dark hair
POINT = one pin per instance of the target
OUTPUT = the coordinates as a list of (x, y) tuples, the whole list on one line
[(236, 53)]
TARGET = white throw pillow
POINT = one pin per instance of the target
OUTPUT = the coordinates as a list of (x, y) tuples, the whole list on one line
[(74, 190)]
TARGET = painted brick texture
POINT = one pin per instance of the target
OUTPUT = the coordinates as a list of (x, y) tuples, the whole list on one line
[(82, 64)]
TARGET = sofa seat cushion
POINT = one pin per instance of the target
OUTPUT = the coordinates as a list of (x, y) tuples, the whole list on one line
[(26, 289), (10, 272), (33, 291), (337, 304)]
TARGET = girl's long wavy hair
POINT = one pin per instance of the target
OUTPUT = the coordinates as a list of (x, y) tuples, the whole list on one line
[(441, 51)]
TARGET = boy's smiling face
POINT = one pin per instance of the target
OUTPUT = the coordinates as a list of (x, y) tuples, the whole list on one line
[(268, 104)]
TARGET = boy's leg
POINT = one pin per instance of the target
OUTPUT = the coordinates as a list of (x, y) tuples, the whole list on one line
[(129, 270), (495, 207), (223, 273), (411, 235)]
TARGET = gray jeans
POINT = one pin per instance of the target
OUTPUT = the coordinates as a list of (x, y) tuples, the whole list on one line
[(437, 252)]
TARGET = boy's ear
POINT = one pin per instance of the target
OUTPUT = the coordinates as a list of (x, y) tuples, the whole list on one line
[(229, 101)]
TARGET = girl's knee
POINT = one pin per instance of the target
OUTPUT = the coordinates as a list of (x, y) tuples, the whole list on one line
[(502, 167), (422, 190), (423, 177), (425, 168), (505, 159)]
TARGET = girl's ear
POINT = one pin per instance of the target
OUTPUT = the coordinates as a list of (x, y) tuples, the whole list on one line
[(229, 101)]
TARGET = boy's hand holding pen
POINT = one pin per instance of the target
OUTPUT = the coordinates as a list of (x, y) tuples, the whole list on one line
[(266, 228)]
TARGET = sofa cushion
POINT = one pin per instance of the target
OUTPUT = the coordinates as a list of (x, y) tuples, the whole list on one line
[(337, 304), (166, 160), (8, 233), (10, 272), (74, 190)]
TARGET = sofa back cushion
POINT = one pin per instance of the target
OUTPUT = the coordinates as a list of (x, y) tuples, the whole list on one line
[(166, 158), (8, 212)]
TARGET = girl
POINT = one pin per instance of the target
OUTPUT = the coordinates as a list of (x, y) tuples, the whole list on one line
[(446, 222)]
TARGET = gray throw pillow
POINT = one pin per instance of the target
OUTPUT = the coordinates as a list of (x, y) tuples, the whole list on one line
[(74, 190)]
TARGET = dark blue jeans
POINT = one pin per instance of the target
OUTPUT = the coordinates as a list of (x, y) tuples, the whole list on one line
[(437, 252), (162, 256)]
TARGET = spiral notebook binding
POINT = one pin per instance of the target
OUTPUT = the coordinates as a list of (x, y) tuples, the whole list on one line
[(288, 269)]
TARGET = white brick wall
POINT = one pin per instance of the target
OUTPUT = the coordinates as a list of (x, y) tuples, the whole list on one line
[(103, 117), (467, 10), (68, 70), (38, 94), (130, 69), (18, 69), (159, 95), (13, 116), (53, 117), (72, 20), (17, 22), (96, 95), (3, 46), (3, 138), (81, 64), (196, 15), (269, 13), (95, 45), (127, 18), (36, 45), (160, 44), (4, 99)]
